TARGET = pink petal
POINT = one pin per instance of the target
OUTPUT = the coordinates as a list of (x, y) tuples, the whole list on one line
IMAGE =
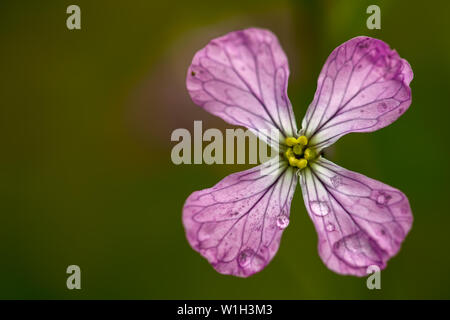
[(237, 224), (242, 77), (359, 221), (363, 86)]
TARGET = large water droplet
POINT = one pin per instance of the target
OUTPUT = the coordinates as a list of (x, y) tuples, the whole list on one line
[(245, 256), (330, 227), (282, 221), (358, 250), (320, 208)]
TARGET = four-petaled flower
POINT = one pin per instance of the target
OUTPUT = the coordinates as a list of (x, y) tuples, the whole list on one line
[(237, 225)]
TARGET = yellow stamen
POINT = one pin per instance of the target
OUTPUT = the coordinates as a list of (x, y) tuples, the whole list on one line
[(289, 153), (291, 141), (309, 154), (298, 149), (302, 163), (293, 161), (302, 140), (296, 156)]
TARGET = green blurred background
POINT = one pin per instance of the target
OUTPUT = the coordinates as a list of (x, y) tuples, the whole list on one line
[(86, 176)]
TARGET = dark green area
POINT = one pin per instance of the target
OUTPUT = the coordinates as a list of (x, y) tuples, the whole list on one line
[(86, 176)]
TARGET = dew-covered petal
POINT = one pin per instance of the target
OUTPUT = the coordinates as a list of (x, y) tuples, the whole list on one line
[(237, 224), (242, 77), (360, 221), (363, 86)]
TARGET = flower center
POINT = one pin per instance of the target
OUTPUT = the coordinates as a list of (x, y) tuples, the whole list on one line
[(298, 154)]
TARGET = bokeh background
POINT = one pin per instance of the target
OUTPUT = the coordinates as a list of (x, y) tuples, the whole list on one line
[(86, 176)]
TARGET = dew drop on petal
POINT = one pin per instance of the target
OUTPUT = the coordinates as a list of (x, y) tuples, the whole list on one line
[(336, 181), (353, 243), (320, 208), (381, 199), (358, 250), (245, 256), (282, 221), (330, 227)]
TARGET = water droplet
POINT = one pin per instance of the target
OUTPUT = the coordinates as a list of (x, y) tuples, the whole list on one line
[(282, 221), (381, 199), (336, 181), (358, 250), (245, 256), (329, 227), (320, 208), (354, 245)]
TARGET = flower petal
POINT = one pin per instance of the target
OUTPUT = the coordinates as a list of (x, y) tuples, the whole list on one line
[(359, 221), (242, 77), (363, 86), (237, 224)]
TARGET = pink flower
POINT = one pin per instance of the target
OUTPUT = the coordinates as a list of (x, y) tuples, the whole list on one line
[(237, 224)]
